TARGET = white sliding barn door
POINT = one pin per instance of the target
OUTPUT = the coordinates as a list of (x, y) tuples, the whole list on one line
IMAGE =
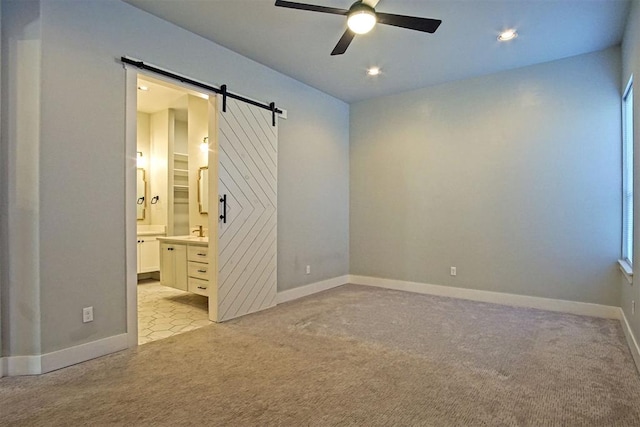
[(247, 176)]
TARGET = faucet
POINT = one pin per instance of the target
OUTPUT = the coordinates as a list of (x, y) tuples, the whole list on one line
[(200, 231)]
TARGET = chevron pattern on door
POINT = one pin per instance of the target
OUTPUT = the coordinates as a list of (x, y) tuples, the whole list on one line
[(247, 174)]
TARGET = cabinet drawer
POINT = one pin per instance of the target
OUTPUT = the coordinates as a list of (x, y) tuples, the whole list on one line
[(198, 270), (198, 253), (200, 287)]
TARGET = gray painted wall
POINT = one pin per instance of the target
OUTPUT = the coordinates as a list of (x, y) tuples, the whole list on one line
[(514, 178), (81, 254), (4, 249), (631, 66), (21, 34)]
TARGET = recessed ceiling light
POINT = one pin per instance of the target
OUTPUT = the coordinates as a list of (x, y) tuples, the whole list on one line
[(507, 35), (373, 71), (141, 87)]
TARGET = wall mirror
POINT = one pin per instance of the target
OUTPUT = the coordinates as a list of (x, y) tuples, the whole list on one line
[(141, 194), (203, 190)]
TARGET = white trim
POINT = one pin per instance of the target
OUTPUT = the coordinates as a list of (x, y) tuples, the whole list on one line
[(23, 365), (626, 269), (131, 231), (310, 289), (83, 352), (34, 365), (573, 307), (631, 339)]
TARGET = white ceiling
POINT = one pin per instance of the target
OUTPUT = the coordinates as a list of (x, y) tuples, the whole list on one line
[(161, 95), (299, 43)]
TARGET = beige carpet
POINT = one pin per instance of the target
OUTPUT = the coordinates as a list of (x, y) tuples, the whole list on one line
[(353, 356)]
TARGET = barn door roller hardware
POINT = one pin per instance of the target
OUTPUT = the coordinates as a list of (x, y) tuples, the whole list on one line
[(221, 90)]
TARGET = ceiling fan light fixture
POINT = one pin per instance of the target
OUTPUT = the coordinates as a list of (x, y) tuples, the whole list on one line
[(507, 35), (362, 18)]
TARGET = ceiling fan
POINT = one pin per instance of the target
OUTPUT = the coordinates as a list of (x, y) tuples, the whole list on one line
[(361, 18)]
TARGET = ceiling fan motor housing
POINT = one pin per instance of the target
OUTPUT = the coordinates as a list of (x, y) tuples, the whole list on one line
[(361, 6)]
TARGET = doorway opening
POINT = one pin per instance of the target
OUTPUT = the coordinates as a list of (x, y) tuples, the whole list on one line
[(172, 213), (203, 206)]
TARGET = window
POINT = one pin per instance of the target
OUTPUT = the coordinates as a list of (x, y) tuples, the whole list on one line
[(627, 174)]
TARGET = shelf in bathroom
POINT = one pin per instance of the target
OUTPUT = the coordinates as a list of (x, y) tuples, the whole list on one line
[(181, 187), (182, 172), (181, 156)]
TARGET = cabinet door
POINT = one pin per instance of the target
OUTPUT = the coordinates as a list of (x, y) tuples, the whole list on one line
[(180, 267), (149, 255), (167, 265)]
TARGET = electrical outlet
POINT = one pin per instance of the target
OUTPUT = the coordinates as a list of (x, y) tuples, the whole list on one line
[(87, 314), (453, 271), (308, 269)]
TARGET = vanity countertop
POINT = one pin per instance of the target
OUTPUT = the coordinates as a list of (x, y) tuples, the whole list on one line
[(150, 233), (191, 240)]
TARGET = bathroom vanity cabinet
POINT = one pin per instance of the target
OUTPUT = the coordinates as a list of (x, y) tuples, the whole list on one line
[(173, 265), (198, 269), (148, 250), (184, 263), (148, 254)]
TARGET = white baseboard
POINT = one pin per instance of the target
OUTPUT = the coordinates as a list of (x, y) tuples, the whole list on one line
[(573, 307), (631, 339), (22, 365), (310, 289), (34, 365), (83, 352)]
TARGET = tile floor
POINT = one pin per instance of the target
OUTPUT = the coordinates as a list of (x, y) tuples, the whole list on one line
[(164, 311)]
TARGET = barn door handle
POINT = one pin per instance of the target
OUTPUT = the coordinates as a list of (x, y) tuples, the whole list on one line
[(223, 200)]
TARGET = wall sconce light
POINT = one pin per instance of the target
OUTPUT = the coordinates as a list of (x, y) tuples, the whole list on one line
[(140, 160), (204, 145)]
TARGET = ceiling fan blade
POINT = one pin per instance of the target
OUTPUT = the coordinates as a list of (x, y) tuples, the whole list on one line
[(343, 43), (311, 7), (427, 25)]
